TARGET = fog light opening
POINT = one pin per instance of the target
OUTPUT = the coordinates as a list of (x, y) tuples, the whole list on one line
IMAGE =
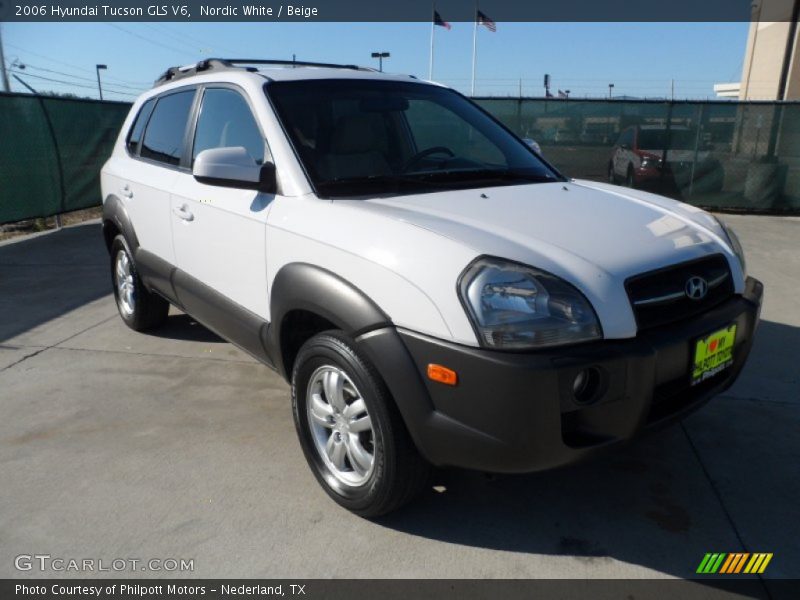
[(585, 385)]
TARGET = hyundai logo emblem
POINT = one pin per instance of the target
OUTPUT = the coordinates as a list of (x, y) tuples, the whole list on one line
[(696, 288)]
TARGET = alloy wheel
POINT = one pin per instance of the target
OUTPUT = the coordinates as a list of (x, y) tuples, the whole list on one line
[(340, 425), (123, 278)]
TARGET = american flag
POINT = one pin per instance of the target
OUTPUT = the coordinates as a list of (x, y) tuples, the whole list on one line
[(437, 20), (486, 22)]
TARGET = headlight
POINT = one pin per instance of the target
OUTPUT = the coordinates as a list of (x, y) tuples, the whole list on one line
[(513, 306), (735, 244)]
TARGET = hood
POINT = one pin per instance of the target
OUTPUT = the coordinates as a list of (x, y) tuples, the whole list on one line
[(570, 229)]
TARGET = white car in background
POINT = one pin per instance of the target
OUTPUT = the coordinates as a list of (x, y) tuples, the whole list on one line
[(433, 291)]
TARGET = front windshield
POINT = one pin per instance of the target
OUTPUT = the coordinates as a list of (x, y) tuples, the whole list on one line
[(368, 137)]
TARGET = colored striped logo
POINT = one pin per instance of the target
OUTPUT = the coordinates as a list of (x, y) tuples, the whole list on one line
[(734, 562)]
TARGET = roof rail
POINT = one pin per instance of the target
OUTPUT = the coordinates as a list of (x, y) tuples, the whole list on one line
[(221, 64)]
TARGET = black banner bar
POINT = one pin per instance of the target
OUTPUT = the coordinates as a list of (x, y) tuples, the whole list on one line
[(392, 10), (711, 588)]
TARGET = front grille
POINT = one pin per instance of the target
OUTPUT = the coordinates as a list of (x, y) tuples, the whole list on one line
[(659, 297)]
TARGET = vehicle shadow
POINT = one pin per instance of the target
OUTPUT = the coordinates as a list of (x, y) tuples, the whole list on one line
[(660, 502), (47, 276), (180, 326)]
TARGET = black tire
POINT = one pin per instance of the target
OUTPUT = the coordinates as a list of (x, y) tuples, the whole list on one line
[(630, 180), (398, 473), (148, 310)]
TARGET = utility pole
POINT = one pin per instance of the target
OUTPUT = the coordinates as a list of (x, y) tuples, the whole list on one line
[(3, 74), (99, 87), (610, 90)]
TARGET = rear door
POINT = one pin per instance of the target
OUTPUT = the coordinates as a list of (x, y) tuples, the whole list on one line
[(156, 144), (220, 232)]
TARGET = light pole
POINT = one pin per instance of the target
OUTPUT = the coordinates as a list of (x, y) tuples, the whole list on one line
[(610, 88), (99, 87), (380, 56)]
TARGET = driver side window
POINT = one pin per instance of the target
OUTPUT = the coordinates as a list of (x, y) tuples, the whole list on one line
[(226, 121)]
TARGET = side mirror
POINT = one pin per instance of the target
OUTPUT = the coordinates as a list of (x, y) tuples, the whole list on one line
[(234, 167)]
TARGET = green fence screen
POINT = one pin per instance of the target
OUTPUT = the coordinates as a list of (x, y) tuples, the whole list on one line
[(719, 155), (51, 152)]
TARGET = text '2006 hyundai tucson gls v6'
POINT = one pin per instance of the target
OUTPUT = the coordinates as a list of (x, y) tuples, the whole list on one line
[(433, 290)]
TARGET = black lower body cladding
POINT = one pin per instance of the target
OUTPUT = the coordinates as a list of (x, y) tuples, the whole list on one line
[(517, 412)]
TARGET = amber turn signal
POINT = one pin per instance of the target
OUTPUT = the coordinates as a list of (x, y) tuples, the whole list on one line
[(442, 374)]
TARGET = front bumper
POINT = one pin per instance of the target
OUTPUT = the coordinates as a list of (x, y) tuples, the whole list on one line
[(515, 412)]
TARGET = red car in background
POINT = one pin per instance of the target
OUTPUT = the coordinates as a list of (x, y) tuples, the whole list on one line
[(637, 159)]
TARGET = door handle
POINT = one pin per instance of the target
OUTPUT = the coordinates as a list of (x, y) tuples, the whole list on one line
[(126, 191), (183, 213)]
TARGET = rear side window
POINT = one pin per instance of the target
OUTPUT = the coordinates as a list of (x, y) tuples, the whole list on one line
[(163, 139), (226, 121), (135, 135)]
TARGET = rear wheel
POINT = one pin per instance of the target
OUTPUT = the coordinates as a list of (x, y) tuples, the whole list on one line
[(139, 308), (351, 432)]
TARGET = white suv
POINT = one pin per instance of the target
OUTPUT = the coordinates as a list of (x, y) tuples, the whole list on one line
[(435, 292)]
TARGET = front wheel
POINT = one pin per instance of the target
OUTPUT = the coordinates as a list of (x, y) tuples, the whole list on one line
[(352, 434)]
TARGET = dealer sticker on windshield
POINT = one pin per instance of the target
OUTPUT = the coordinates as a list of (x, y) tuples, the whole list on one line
[(713, 353)]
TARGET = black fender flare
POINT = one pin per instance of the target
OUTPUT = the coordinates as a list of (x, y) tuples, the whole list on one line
[(302, 286), (114, 212)]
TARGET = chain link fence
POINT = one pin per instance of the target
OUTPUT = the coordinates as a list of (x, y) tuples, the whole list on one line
[(718, 155), (51, 152)]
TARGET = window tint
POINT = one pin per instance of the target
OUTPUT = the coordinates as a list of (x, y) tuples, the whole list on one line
[(135, 135), (226, 121), (434, 125), (362, 137), (163, 140), (626, 139)]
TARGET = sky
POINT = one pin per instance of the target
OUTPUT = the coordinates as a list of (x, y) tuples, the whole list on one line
[(640, 59)]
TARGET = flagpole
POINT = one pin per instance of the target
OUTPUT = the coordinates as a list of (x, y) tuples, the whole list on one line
[(474, 46), (433, 30)]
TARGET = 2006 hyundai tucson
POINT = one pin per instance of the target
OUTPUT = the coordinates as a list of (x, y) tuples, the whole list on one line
[(435, 292)]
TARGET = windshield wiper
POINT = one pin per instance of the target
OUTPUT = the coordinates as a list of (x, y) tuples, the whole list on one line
[(471, 175), (428, 180), (378, 183)]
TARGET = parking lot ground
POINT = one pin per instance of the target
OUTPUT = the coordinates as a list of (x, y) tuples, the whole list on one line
[(115, 444)]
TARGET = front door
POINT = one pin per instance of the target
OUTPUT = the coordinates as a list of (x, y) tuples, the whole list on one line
[(219, 233)]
